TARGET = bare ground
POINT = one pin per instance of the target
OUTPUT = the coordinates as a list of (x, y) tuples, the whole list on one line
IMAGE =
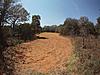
[(47, 53)]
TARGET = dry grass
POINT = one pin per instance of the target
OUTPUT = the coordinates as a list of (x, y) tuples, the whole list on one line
[(86, 57)]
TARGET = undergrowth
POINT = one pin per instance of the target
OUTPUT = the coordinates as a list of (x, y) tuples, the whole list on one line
[(86, 58)]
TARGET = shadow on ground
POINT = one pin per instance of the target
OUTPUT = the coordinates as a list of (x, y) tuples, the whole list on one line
[(38, 37)]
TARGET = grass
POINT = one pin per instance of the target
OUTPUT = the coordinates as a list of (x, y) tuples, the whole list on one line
[(86, 58)]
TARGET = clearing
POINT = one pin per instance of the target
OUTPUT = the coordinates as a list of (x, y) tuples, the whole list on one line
[(47, 53)]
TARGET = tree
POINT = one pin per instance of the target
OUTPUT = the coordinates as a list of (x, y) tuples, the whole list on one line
[(52, 28), (13, 13), (83, 19), (86, 26), (16, 14), (98, 20), (36, 24), (5, 17), (90, 27), (70, 27), (4, 11), (58, 29), (97, 27), (81, 27), (46, 29)]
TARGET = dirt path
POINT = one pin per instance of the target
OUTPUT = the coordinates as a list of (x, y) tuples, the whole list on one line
[(47, 53)]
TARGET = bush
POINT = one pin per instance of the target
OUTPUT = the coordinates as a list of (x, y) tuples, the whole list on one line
[(26, 32), (81, 27), (7, 30), (70, 27), (52, 28)]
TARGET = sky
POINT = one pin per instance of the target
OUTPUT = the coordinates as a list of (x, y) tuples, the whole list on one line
[(54, 12)]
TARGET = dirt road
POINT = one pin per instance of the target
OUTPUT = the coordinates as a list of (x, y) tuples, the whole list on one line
[(48, 52)]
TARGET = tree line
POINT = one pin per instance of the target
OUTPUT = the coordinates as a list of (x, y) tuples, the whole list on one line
[(76, 27)]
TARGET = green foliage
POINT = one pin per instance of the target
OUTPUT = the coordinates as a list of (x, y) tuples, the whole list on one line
[(97, 27), (70, 27), (59, 28), (74, 27), (52, 28), (86, 27), (98, 20), (26, 32), (7, 31), (36, 24)]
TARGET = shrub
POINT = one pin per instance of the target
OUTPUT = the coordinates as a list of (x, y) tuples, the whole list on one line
[(70, 27), (52, 28), (26, 32)]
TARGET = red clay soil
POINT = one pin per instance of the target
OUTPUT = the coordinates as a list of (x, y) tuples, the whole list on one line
[(44, 54)]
